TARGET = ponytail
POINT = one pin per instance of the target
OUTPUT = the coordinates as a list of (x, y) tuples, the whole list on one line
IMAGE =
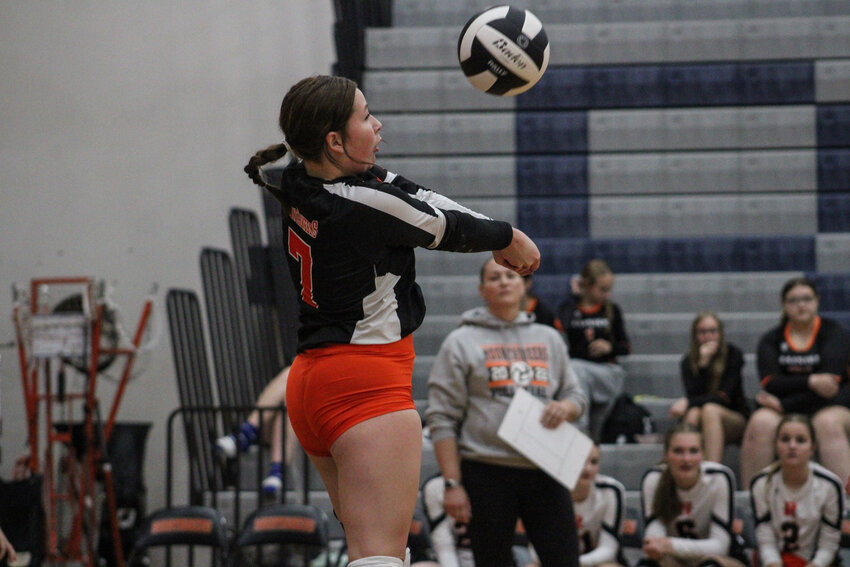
[(269, 155), (261, 158)]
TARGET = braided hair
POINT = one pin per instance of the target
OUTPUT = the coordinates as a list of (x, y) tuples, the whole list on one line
[(312, 108)]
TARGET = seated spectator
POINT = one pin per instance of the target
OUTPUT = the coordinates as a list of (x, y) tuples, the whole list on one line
[(687, 506), (714, 395), (532, 304), (798, 505), (273, 395), (497, 350), (802, 363), (596, 335), (598, 501)]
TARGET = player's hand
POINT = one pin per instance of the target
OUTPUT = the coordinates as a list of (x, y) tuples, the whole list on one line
[(599, 347), (456, 503), (558, 411), (657, 547), (679, 407), (706, 351), (521, 255), (769, 401), (6, 549), (823, 384)]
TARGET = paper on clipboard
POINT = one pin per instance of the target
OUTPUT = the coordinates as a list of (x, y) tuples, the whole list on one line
[(561, 452)]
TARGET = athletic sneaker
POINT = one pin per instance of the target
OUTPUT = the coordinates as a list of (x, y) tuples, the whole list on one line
[(272, 484), (227, 446), (241, 441)]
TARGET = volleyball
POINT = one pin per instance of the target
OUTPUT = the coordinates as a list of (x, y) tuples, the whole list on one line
[(503, 50)]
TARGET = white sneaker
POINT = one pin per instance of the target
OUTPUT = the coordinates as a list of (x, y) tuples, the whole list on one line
[(226, 446), (272, 484)]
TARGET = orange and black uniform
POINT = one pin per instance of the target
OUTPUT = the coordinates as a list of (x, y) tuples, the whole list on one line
[(583, 325), (785, 370), (350, 245)]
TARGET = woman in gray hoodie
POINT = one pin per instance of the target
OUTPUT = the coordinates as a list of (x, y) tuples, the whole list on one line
[(497, 350)]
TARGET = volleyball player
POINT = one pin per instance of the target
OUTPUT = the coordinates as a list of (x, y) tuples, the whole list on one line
[(598, 502), (798, 504), (350, 236), (687, 505)]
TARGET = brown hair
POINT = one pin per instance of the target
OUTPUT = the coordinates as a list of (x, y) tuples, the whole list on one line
[(717, 364), (590, 273), (789, 418), (311, 109), (666, 504)]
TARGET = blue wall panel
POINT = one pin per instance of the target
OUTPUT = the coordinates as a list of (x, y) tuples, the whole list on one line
[(551, 132), (833, 126), (538, 176), (553, 217), (834, 169)]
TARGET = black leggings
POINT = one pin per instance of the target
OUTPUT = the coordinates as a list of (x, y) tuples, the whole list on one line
[(499, 495)]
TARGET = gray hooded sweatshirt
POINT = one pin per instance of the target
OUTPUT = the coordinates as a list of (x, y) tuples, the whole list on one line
[(479, 367)]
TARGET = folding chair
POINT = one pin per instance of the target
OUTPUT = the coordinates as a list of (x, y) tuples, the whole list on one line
[(187, 526), (297, 532)]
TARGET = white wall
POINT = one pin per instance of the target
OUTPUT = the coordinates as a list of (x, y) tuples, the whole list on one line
[(124, 127)]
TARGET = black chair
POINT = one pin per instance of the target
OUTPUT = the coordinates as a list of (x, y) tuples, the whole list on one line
[(283, 534), (185, 526)]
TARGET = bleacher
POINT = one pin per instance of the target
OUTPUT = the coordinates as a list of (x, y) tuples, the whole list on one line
[(702, 148)]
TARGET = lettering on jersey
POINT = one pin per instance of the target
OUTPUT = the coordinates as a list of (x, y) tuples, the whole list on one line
[(308, 226), (589, 322), (513, 366), (791, 509), (797, 363)]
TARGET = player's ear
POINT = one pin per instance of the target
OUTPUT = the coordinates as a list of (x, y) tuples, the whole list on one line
[(334, 141)]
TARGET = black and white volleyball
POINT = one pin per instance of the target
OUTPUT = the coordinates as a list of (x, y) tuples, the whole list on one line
[(503, 50)]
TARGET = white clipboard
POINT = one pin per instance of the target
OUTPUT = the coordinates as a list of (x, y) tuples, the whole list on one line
[(561, 451)]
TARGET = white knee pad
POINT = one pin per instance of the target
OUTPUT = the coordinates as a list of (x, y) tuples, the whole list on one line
[(377, 561), (406, 557)]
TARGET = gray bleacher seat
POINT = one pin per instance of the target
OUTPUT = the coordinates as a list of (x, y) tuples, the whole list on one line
[(627, 463), (701, 128), (451, 295), (832, 252), (715, 172), (832, 80), (458, 177), (425, 90), (658, 375), (448, 134), (778, 170), (435, 262), (697, 215), (428, 338), (694, 292), (455, 12), (653, 333), (606, 42)]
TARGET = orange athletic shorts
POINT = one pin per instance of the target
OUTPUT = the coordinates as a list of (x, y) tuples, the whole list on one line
[(331, 389)]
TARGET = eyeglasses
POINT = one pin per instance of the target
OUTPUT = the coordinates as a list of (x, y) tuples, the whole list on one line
[(711, 331), (801, 299)]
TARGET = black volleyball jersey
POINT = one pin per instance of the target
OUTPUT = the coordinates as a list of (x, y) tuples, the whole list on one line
[(350, 246), (584, 325), (785, 370)]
